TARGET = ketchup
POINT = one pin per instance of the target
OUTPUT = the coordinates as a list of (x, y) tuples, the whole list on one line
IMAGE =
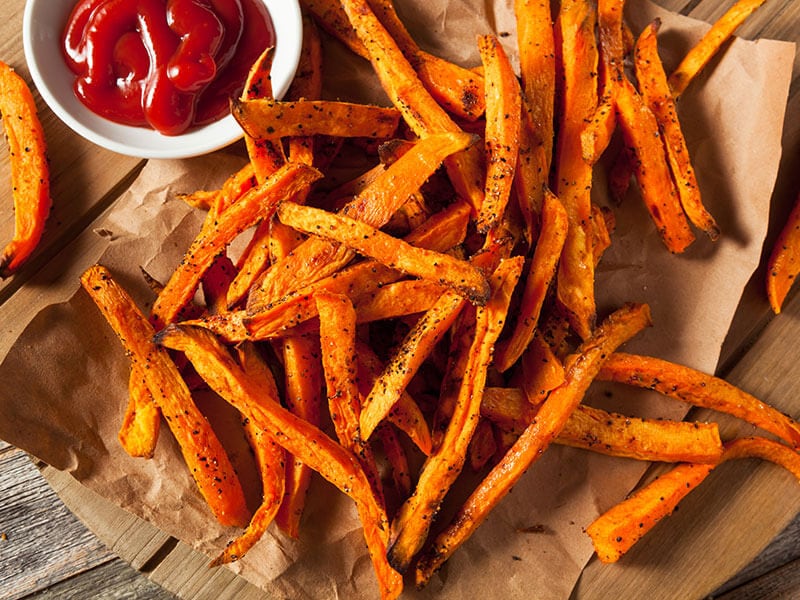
[(165, 64)]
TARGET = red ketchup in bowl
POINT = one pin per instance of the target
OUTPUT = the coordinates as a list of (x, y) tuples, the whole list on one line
[(165, 64)]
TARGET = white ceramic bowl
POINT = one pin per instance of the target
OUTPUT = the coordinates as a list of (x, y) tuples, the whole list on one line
[(43, 24)]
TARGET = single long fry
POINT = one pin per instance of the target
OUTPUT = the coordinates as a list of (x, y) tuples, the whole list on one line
[(646, 151), (413, 521), (138, 433), (700, 389), (406, 360), (783, 265), (656, 94), (619, 528), (30, 174), (541, 271), (502, 138), (399, 299), (273, 119), (700, 55), (765, 449), (300, 438), (254, 206), (550, 420), (420, 111), (201, 449), (454, 273)]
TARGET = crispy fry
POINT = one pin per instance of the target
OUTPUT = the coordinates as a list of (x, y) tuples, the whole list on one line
[(646, 152), (30, 174), (699, 56), (204, 455), (699, 389), (254, 206), (551, 418), (273, 119), (217, 200), (141, 424), (573, 176), (656, 94), (421, 112), (399, 299), (413, 521), (541, 370), (454, 273), (541, 271), (784, 260), (406, 360), (503, 116), (619, 528), (765, 449), (298, 437)]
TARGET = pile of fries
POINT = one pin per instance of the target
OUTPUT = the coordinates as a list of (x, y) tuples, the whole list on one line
[(437, 309)]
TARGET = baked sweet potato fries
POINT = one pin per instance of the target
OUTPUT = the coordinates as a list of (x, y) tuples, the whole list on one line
[(433, 311)]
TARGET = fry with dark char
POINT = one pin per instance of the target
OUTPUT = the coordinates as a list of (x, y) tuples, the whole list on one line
[(582, 367), (201, 449)]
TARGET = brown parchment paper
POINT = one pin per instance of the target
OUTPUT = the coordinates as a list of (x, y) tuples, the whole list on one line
[(64, 380)]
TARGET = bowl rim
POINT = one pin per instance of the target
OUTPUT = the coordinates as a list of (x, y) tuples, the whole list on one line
[(141, 142)]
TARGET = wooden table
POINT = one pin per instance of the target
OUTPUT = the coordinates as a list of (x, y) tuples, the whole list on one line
[(47, 552)]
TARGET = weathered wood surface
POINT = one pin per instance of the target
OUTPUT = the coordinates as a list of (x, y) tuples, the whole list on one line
[(47, 552)]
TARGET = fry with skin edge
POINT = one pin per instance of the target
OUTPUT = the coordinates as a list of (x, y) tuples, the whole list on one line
[(616, 531), (784, 260), (273, 119), (300, 438), (699, 56), (656, 94), (502, 136), (699, 389), (454, 273), (541, 272), (30, 173), (254, 206), (201, 449), (414, 518), (582, 367)]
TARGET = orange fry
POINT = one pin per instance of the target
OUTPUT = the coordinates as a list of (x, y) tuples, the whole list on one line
[(413, 521), (784, 260), (692, 386), (700, 55), (398, 299), (254, 206), (454, 273), (30, 174), (204, 455), (553, 414), (503, 115), (138, 433), (656, 94)]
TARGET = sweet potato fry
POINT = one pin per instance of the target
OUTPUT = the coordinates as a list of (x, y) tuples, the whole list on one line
[(236, 185), (406, 360), (300, 438), (619, 528), (540, 370), (399, 299), (204, 455), (765, 449), (138, 433), (550, 420), (420, 111), (699, 389), (413, 521), (646, 152), (273, 119), (454, 273), (30, 173), (541, 271), (658, 98), (503, 117), (254, 206), (784, 260), (699, 56), (575, 31)]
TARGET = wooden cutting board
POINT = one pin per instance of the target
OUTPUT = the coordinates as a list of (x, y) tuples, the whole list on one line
[(719, 528)]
